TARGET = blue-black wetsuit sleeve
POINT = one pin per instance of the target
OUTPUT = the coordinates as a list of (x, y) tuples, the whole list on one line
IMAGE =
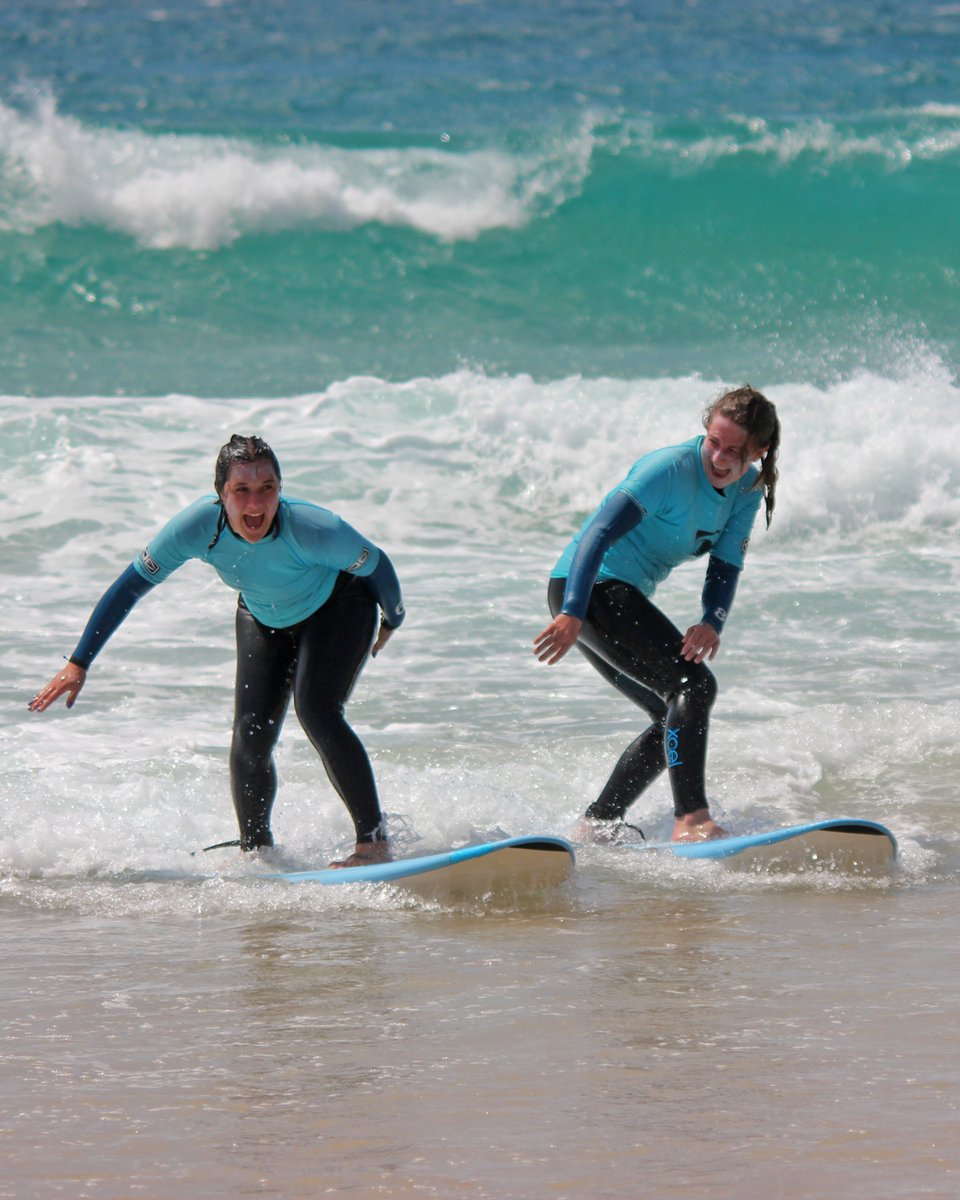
[(112, 608), (385, 586), (615, 518), (719, 588)]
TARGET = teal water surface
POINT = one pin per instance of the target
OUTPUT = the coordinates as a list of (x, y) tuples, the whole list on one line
[(226, 200)]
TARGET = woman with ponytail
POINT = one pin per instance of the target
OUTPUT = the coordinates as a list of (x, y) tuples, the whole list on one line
[(309, 588), (698, 498)]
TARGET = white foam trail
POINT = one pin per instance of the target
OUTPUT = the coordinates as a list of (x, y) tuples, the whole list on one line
[(867, 457), (202, 192), (205, 192), (893, 140)]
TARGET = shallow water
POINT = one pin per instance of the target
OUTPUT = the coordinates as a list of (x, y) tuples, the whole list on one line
[(670, 1037)]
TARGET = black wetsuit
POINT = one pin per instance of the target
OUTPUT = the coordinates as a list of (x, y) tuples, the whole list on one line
[(321, 585), (634, 647), (664, 512), (317, 663)]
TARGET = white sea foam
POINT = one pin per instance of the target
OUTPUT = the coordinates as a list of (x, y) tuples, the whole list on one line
[(894, 140), (840, 664), (865, 457), (205, 192)]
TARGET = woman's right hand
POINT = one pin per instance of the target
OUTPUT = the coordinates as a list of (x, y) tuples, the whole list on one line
[(552, 643), (70, 680)]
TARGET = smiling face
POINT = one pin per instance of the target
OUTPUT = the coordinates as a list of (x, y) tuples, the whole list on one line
[(251, 497), (726, 453)]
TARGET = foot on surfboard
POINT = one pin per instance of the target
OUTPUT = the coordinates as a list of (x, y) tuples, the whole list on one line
[(697, 826), (365, 854)]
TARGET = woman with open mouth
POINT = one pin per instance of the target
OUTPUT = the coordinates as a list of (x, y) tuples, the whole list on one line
[(309, 589)]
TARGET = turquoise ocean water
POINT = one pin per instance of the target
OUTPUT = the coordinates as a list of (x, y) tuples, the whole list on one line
[(461, 264), (235, 199)]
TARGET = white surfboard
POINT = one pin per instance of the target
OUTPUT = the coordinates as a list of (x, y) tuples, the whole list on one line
[(516, 866), (839, 845)]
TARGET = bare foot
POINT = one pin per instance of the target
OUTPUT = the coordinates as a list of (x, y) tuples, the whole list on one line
[(697, 826), (365, 854)]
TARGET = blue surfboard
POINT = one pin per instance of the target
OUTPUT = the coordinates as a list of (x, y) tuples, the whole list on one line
[(839, 844), (517, 865)]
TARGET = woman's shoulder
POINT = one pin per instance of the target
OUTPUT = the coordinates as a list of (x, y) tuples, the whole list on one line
[(665, 463), (667, 456), (186, 535), (206, 504), (304, 514), (203, 511)]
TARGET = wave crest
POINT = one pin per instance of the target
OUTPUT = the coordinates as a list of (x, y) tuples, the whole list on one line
[(203, 193)]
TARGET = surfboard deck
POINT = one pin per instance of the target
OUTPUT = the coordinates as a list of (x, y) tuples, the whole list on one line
[(517, 865), (839, 844)]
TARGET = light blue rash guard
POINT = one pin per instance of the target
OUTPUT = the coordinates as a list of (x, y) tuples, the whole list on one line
[(292, 571), (286, 576), (681, 515)]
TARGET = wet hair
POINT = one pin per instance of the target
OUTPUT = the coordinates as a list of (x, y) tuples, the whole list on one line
[(242, 449), (239, 449), (752, 411)]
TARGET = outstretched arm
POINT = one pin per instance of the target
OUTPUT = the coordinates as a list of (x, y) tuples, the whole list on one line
[(112, 608)]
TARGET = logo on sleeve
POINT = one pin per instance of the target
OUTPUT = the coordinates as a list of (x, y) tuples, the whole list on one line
[(150, 565), (743, 545), (364, 555)]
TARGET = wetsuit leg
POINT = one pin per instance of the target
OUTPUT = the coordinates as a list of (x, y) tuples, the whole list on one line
[(641, 651), (265, 662), (332, 647), (645, 758)]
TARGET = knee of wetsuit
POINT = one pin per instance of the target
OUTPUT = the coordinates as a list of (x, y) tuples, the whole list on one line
[(697, 690), (254, 738), (323, 721)]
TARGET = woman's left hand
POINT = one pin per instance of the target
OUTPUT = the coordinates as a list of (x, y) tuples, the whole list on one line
[(700, 642), (552, 643), (384, 636)]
